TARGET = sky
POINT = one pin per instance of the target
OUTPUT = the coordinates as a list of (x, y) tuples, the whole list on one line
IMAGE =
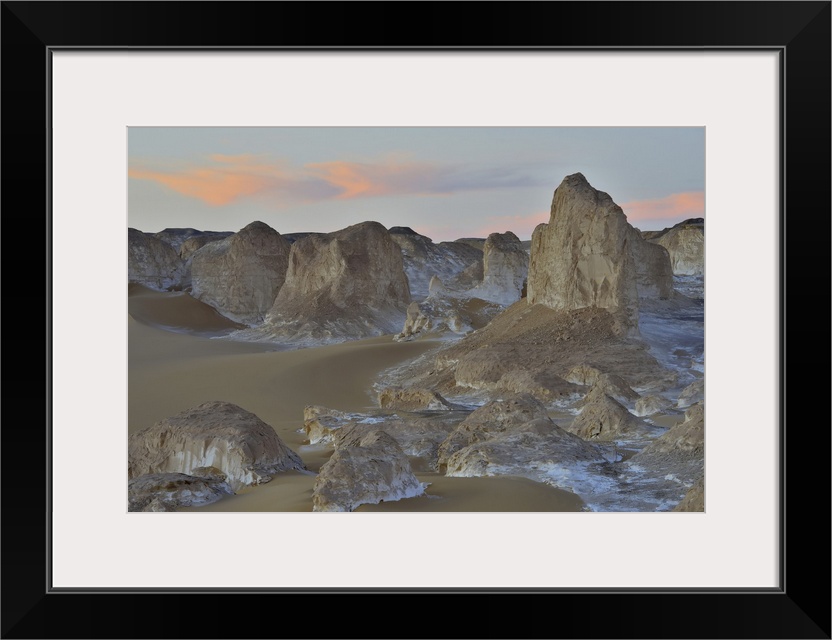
[(444, 182)]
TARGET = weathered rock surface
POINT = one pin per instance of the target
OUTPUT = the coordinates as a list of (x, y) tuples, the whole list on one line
[(583, 374), (213, 434), (445, 310), (346, 284), (539, 450), (613, 386), (691, 394), (588, 255), (685, 242), (240, 275), (175, 236), (319, 422), (604, 418), (169, 491), (491, 419), (194, 243), (694, 499), (424, 260), (152, 262), (505, 268), (687, 437), (476, 243), (411, 399), (367, 467), (650, 405)]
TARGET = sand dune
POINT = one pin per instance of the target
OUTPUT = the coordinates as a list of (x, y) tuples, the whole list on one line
[(176, 311)]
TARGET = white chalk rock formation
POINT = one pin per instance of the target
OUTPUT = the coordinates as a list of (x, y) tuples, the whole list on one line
[(169, 491), (685, 242), (687, 437), (583, 374), (240, 275), (319, 423), (424, 260), (691, 394), (588, 255), (346, 284), (651, 405), (604, 418), (613, 386), (367, 467), (152, 262), (491, 419), (538, 449), (411, 399), (195, 242), (213, 434), (505, 268), (445, 310)]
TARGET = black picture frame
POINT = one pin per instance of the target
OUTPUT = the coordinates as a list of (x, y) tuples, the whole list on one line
[(799, 31)]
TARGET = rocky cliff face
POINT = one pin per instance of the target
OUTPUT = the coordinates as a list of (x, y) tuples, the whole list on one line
[(505, 267), (152, 262), (685, 242), (213, 434), (195, 242), (350, 283), (588, 255), (241, 275)]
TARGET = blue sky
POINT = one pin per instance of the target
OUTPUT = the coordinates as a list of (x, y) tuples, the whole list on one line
[(444, 182)]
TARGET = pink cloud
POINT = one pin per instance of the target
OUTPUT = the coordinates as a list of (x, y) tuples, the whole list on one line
[(689, 204), (356, 179)]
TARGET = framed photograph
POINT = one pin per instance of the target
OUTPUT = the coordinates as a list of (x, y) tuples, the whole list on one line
[(95, 92)]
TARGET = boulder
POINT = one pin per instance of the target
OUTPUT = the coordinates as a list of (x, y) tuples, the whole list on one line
[(169, 491), (505, 268), (367, 467), (213, 434), (152, 262), (240, 275), (588, 255), (319, 423), (346, 284), (611, 385), (583, 374)]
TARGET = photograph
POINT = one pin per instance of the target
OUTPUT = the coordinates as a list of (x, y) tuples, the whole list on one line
[(416, 319)]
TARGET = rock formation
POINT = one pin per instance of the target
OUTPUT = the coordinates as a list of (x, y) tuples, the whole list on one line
[(613, 386), (411, 399), (685, 242), (213, 434), (195, 242), (349, 283), (367, 467), (691, 394), (588, 255), (152, 262), (687, 437), (424, 260), (694, 499), (241, 274), (169, 491), (604, 418), (650, 405), (505, 267), (445, 310)]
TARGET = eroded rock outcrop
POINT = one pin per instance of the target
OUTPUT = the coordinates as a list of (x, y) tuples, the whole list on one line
[(349, 283), (694, 499), (651, 405), (195, 242), (240, 275), (411, 399), (604, 418), (169, 491), (588, 255), (613, 386), (454, 263), (367, 467), (691, 394), (505, 268), (213, 434), (152, 262), (685, 242)]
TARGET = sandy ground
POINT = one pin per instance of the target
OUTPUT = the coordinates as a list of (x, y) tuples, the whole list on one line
[(175, 365)]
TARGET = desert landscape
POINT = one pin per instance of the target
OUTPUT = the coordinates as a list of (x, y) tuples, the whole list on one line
[(370, 368)]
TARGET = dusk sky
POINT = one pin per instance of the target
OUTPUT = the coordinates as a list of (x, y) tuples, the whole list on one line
[(445, 183)]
